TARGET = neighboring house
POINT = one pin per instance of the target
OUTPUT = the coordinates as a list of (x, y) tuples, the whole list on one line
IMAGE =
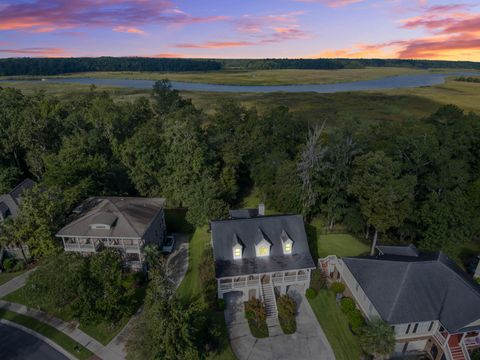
[(257, 255), (432, 305), (123, 223), (10, 203), (9, 208)]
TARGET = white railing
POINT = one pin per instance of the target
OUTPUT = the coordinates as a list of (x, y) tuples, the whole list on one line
[(226, 286), (472, 341), (80, 247), (440, 338), (464, 350), (289, 278)]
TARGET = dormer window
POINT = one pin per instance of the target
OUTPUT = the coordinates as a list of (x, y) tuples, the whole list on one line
[(237, 248), (287, 243), (263, 248), (103, 221)]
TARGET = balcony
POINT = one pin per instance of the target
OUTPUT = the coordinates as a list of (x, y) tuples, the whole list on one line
[(80, 247)]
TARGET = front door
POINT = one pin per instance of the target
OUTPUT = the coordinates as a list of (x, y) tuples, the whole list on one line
[(266, 279)]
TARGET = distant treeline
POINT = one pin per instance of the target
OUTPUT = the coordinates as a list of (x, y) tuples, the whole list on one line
[(54, 66), (468, 79), (342, 63)]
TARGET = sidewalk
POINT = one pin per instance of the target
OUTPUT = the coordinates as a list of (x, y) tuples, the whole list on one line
[(113, 351)]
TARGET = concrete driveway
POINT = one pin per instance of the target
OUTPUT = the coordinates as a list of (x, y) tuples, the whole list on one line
[(308, 343), (17, 344), (177, 261)]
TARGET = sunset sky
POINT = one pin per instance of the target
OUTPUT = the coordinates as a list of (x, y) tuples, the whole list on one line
[(422, 29)]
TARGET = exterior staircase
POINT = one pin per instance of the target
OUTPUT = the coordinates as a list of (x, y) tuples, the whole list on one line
[(456, 351), (270, 302)]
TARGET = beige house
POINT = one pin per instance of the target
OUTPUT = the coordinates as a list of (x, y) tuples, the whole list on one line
[(123, 223), (432, 305)]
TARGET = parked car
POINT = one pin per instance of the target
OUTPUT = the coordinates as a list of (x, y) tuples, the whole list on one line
[(168, 244)]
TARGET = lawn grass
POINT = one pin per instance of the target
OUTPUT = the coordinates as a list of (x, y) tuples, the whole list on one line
[(261, 77), (334, 323), (6, 277), (322, 244), (103, 332), (190, 290), (48, 331)]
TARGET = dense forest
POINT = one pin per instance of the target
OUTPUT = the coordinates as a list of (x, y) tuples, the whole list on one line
[(55, 66), (412, 181)]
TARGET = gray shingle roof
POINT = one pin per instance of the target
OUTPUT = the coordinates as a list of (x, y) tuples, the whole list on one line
[(406, 289), (243, 213), (12, 200), (249, 232), (129, 217)]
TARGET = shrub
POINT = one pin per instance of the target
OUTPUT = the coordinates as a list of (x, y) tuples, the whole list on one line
[(318, 280), (378, 338), (19, 266), (8, 264), (256, 315), (311, 293), (356, 320), (347, 305), (221, 304), (337, 287), (475, 354), (207, 278), (286, 314)]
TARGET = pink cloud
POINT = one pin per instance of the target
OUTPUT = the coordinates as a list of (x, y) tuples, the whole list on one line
[(169, 55), (332, 3), (40, 52), (130, 30), (63, 14), (214, 44)]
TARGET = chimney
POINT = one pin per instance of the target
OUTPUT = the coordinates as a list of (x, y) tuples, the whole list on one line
[(261, 209)]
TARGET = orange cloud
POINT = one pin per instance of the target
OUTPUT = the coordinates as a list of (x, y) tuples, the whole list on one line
[(39, 52), (130, 30), (168, 55)]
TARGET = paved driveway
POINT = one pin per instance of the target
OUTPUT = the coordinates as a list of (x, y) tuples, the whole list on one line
[(177, 261), (309, 342), (17, 344)]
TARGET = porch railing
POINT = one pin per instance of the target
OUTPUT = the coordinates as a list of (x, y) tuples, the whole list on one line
[(440, 338), (80, 247)]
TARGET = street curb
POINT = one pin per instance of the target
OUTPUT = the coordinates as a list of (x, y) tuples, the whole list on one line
[(39, 336)]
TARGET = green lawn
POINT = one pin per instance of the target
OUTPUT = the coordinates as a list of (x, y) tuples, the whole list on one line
[(335, 324), (190, 289), (5, 277), (103, 332), (322, 244), (48, 331)]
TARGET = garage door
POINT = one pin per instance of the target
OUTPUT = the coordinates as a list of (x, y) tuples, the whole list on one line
[(418, 345)]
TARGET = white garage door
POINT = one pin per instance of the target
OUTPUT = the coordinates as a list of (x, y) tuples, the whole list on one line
[(417, 345)]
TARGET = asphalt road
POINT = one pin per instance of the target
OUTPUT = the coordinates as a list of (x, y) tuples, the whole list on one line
[(19, 345)]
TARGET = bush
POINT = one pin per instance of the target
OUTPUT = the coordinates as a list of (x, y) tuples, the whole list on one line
[(8, 264), (378, 339), (318, 280), (286, 314), (475, 354), (311, 293), (356, 320), (256, 315), (221, 304), (337, 287), (347, 305), (19, 266), (207, 278)]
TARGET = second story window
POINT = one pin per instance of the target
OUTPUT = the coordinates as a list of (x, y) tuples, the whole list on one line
[(263, 251)]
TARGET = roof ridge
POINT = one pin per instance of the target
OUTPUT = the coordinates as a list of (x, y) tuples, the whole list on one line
[(257, 217), (395, 301), (124, 217)]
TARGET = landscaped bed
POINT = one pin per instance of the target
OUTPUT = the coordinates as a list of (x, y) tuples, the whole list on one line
[(191, 289), (335, 325), (49, 332), (102, 331), (257, 318), (287, 309)]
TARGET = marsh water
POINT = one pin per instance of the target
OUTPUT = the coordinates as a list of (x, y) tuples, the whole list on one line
[(390, 82)]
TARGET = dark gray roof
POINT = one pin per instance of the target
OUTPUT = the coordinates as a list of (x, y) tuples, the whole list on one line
[(13, 199), (243, 213), (406, 289), (409, 250), (249, 232), (127, 217)]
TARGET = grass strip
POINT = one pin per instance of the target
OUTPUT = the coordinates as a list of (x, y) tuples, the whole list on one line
[(49, 332)]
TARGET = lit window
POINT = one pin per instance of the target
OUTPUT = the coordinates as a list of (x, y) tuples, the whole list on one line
[(238, 252), (288, 248), (263, 251)]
